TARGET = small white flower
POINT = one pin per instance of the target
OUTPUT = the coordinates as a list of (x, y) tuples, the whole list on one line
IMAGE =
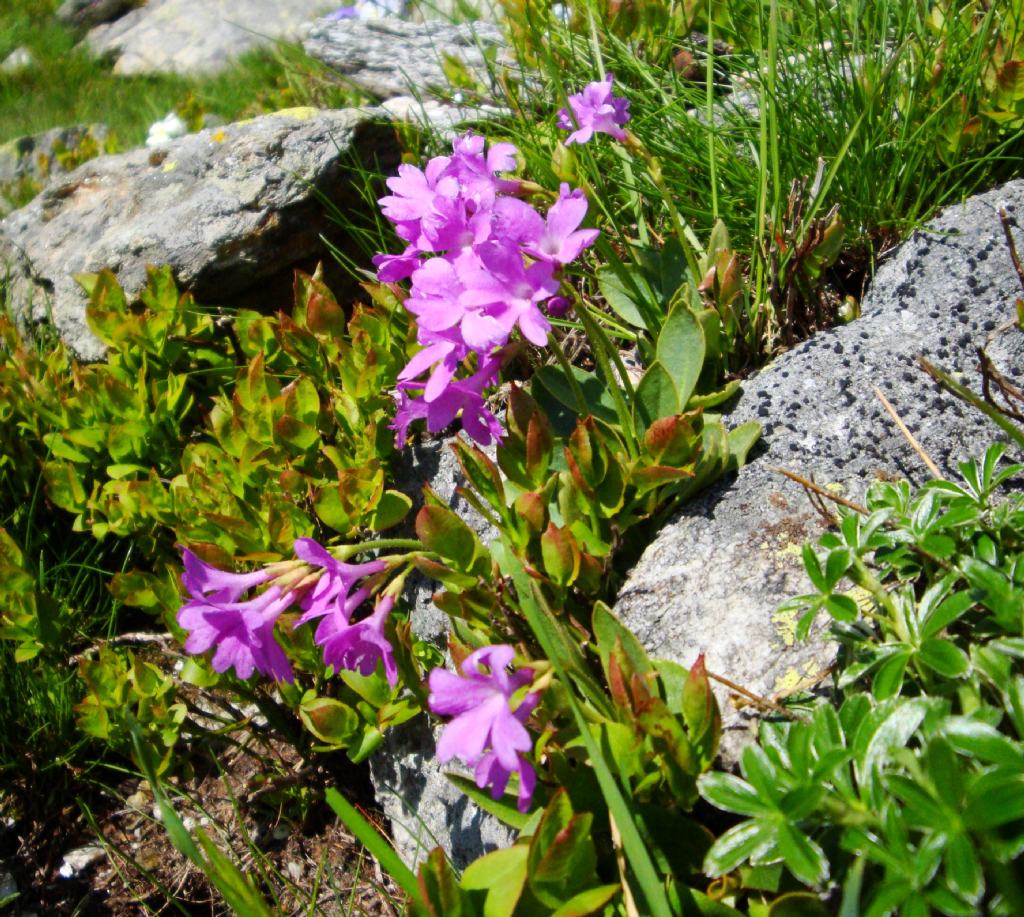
[(561, 12), (165, 130)]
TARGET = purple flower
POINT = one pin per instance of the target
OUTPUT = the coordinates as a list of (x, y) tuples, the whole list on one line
[(595, 111), (333, 594), (342, 12), (358, 647), (242, 632), (200, 579), (509, 291), (460, 396), (481, 263), (561, 240), (485, 733)]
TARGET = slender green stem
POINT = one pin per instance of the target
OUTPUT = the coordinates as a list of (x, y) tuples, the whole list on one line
[(709, 83), (570, 376), (601, 349), (345, 551)]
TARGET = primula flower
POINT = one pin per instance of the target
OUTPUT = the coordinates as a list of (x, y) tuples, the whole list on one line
[(485, 733), (508, 292), (358, 647), (560, 239), (595, 111), (241, 631), (460, 395), (333, 594), (481, 263)]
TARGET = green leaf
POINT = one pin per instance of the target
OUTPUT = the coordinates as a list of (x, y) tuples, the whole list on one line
[(745, 841), (803, 857), (741, 441), (732, 793), (888, 677), (963, 871), (657, 395), (443, 532), (798, 904), (587, 902), (994, 798), (329, 720), (502, 874), (943, 657), (373, 841), (609, 630), (392, 509), (565, 863), (621, 299), (680, 350), (330, 509), (598, 401), (982, 741)]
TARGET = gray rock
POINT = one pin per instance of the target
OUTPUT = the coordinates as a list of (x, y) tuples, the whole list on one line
[(80, 859), (392, 57), (38, 156), (437, 117), (84, 14), (19, 59), (425, 808), (231, 210), (714, 577), (199, 36)]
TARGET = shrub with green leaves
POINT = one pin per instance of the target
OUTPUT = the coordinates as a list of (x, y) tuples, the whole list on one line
[(902, 793)]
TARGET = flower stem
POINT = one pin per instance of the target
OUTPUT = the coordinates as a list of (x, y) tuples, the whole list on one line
[(345, 551)]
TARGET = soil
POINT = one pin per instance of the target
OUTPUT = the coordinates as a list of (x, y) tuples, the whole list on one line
[(280, 831)]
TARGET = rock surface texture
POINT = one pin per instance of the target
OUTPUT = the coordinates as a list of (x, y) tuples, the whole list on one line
[(230, 210), (713, 578), (200, 36), (84, 14), (37, 156), (393, 57)]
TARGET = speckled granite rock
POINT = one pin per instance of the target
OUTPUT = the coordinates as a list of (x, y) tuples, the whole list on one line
[(714, 577), (393, 57), (200, 36), (230, 210)]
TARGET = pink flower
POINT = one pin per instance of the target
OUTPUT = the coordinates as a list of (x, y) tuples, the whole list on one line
[(459, 397), (333, 593), (509, 292), (595, 111), (485, 733), (200, 579), (358, 647), (242, 632), (561, 240)]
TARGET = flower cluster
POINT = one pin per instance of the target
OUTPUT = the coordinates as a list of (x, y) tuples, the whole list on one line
[(482, 263), (486, 733), (595, 111), (241, 631)]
